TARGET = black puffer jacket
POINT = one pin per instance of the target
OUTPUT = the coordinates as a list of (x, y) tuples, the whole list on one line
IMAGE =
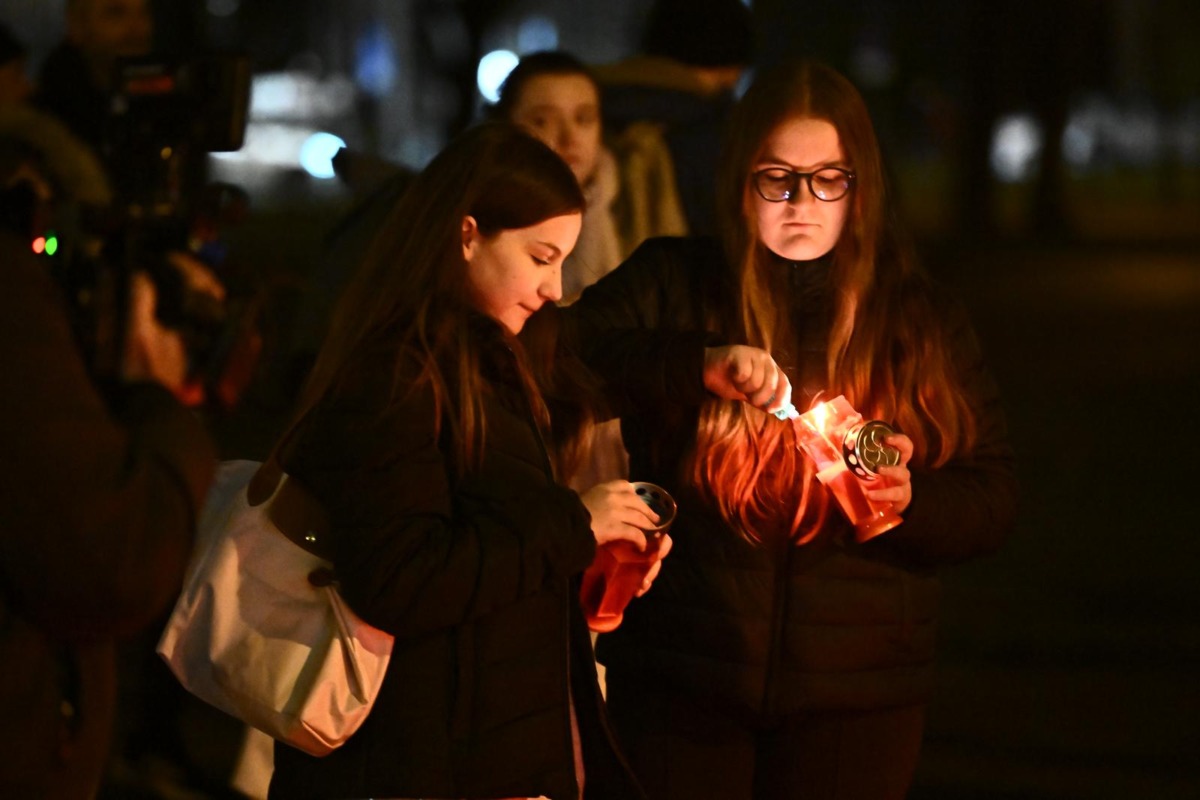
[(477, 578), (775, 628)]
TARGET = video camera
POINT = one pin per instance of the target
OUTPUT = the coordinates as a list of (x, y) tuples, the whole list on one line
[(165, 117)]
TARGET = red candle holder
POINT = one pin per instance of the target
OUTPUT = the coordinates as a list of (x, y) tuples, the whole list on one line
[(617, 572), (847, 452)]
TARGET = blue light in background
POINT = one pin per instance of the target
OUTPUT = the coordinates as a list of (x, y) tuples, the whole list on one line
[(375, 67), (537, 33), (493, 69), (317, 152)]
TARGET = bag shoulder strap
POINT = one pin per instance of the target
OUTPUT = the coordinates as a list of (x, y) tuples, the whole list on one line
[(293, 510), (301, 518)]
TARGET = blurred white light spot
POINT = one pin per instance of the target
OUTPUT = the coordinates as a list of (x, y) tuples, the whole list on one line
[(271, 144), (317, 152), (1079, 143), (744, 82), (1016, 145), (1086, 143), (299, 96), (275, 94), (537, 33), (493, 69), (223, 8)]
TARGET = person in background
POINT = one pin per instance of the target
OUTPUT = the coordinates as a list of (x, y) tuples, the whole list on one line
[(15, 87), (669, 103), (779, 656), (76, 78), (432, 437), (553, 95), (53, 160), (99, 488)]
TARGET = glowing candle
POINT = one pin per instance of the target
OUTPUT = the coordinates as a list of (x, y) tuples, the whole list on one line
[(846, 451), (619, 568)]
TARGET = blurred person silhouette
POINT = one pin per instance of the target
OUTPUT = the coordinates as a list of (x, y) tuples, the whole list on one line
[(75, 80), (38, 144), (431, 436), (671, 100), (781, 655), (99, 486), (15, 86)]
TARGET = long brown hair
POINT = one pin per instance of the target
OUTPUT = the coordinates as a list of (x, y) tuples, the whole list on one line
[(884, 352), (411, 286)]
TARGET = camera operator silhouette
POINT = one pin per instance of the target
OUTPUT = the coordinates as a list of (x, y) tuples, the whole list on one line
[(99, 487)]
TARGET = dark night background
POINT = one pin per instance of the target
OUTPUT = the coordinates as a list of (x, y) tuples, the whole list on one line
[(1047, 157)]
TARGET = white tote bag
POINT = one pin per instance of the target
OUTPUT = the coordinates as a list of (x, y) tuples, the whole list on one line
[(260, 632)]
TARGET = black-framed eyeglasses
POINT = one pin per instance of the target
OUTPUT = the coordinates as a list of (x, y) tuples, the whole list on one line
[(777, 184)]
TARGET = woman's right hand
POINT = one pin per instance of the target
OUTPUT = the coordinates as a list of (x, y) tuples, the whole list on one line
[(618, 513), (741, 372)]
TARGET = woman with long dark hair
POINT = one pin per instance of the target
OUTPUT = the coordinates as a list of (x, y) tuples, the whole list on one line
[(425, 433), (779, 656)]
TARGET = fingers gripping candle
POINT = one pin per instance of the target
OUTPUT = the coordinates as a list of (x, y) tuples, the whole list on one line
[(619, 568), (847, 452)]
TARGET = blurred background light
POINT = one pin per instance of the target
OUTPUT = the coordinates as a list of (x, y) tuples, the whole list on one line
[(1016, 145), (270, 144), (300, 96), (1079, 143), (493, 69), (537, 33), (375, 69), (317, 152)]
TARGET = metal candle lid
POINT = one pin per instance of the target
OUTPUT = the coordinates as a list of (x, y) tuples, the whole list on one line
[(660, 501), (865, 451)]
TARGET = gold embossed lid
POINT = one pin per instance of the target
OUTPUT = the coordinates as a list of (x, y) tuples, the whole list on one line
[(865, 450)]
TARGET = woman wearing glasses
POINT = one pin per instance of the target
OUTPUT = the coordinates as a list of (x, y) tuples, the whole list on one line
[(778, 656)]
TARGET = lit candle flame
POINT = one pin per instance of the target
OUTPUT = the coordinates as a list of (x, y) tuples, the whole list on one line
[(820, 416)]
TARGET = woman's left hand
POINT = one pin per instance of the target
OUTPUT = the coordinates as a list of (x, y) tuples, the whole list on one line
[(897, 480)]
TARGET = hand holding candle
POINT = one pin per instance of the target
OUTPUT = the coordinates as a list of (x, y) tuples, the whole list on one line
[(624, 569), (851, 455), (896, 487)]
